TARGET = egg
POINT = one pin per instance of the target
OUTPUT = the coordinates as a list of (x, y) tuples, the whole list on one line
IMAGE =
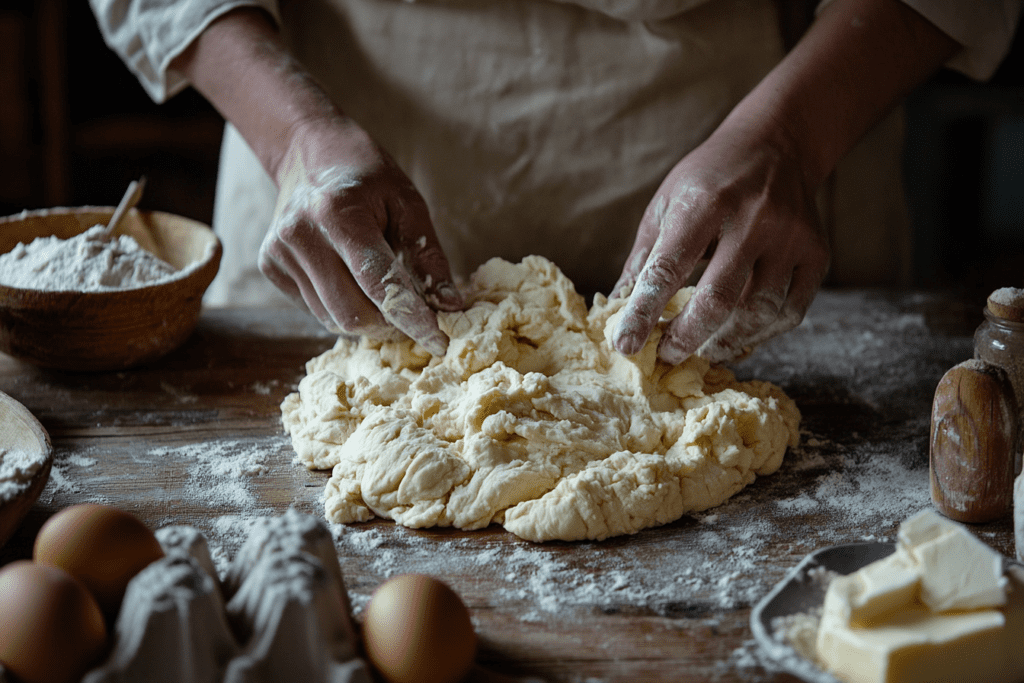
[(101, 546), (417, 630), (51, 629)]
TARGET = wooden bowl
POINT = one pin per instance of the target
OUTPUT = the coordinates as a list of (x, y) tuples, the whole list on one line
[(21, 431), (107, 330)]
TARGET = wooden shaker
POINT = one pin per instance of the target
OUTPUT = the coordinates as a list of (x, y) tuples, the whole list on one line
[(973, 444)]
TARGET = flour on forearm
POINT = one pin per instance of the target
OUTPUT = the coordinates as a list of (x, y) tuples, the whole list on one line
[(89, 262)]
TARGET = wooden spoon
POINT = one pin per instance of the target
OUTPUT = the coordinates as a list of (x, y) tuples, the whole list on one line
[(21, 432), (131, 197)]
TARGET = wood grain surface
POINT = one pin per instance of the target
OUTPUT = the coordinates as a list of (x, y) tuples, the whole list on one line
[(973, 444), (671, 603)]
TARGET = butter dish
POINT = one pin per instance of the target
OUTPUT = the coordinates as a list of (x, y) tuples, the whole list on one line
[(801, 591), (785, 621)]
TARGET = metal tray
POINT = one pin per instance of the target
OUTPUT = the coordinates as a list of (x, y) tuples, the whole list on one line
[(799, 592)]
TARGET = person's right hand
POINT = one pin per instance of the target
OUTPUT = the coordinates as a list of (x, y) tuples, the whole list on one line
[(352, 239)]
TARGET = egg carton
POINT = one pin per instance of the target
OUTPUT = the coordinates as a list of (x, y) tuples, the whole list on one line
[(281, 613)]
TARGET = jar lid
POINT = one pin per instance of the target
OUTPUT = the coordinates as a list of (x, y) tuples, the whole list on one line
[(1007, 303)]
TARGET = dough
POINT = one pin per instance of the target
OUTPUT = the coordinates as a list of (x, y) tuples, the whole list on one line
[(531, 420)]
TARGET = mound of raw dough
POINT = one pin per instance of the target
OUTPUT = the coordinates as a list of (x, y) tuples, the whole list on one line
[(531, 420)]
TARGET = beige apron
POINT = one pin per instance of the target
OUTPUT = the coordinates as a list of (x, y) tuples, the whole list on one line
[(529, 126)]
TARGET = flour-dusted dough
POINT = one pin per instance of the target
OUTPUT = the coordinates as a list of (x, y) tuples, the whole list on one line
[(532, 420)]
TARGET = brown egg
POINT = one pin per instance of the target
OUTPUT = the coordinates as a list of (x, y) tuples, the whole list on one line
[(417, 630), (51, 629), (101, 546)]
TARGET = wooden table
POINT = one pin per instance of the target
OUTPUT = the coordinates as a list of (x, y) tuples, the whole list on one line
[(196, 438)]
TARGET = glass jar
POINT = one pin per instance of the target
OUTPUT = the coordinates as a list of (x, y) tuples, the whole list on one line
[(1000, 341)]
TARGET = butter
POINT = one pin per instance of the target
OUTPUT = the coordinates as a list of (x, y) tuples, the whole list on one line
[(876, 590), (957, 570), (938, 609)]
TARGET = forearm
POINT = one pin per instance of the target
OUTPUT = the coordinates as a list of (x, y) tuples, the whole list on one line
[(241, 65), (854, 64)]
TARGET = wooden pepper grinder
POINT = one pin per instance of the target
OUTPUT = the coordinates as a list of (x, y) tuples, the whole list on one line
[(973, 445)]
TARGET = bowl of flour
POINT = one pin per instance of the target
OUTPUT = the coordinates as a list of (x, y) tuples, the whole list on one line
[(74, 297)]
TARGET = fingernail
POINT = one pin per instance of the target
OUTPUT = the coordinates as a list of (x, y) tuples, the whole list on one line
[(448, 295), (626, 339), (436, 345), (671, 351)]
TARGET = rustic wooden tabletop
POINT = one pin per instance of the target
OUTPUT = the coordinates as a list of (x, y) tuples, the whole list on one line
[(196, 439)]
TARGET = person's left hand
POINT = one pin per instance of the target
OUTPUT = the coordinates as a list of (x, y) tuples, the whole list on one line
[(743, 203)]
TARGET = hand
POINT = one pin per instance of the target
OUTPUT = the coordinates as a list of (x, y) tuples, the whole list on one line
[(352, 239), (741, 201)]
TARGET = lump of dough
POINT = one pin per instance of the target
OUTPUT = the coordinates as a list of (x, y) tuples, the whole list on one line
[(532, 420)]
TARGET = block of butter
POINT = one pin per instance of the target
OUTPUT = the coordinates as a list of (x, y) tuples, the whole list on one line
[(939, 609)]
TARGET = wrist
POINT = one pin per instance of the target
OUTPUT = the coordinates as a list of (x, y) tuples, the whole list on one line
[(858, 59), (768, 146), (316, 142)]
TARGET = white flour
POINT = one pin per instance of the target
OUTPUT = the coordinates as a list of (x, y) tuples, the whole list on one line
[(17, 467), (89, 262), (1008, 296)]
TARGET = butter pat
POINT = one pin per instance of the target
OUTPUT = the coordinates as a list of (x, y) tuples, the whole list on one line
[(917, 645), (957, 570), (938, 609), (878, 589)]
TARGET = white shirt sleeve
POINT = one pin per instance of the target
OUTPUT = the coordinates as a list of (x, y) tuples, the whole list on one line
[(984, 29), (148, 34)]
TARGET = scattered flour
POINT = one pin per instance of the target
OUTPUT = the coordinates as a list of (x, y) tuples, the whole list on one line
[(220, 472), (65, 483), (718, 560), (90, 262), (710, 570), (800, 631)]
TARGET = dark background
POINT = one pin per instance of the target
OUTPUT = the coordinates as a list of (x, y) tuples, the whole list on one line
[(76, 127)]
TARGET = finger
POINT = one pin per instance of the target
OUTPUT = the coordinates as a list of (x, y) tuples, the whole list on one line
[(280, 278), (382, 276), (758, 309), (806, 281), (716, 295), (342, 307), (672, 258), (419, 247), (646, 236)]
